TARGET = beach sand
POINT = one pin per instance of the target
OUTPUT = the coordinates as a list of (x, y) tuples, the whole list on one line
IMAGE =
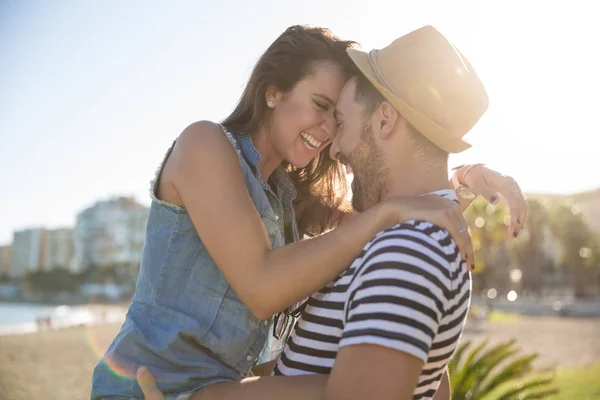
[(560, 342), (53, 364), (59, 364)]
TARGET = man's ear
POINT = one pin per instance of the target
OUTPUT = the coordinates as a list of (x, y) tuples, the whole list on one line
[(387, 119)]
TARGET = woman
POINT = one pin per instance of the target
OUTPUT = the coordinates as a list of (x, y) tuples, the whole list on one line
[(225, 202)]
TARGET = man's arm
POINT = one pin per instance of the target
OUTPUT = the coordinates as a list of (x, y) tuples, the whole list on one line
[(383, 381), (304, 387), (443, 391), (368, 371)]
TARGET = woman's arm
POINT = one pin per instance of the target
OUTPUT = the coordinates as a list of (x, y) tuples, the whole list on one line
[(443, 391), (204, 171), (490, 184), (481, 180)]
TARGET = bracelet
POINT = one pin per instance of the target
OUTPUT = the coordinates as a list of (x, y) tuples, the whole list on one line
[(465, 173)]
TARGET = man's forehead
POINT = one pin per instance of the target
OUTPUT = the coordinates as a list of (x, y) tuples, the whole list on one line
[(347, 97)]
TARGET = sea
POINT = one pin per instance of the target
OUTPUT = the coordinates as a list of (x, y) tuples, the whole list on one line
[(18, 318)]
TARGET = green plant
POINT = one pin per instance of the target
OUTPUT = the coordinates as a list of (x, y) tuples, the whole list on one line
[(497, 372)]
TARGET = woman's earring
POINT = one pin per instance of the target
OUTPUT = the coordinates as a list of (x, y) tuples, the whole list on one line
[(270, 104)]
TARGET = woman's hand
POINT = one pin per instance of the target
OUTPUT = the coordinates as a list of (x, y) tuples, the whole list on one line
[(491, 184), (440, 211)]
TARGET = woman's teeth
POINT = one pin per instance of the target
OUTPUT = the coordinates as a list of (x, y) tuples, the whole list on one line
[(310, 141)]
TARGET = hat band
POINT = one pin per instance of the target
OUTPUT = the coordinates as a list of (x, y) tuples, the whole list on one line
[(372, 56)]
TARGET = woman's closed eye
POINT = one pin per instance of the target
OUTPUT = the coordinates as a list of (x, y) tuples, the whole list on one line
[(321, 106), (327, 108)]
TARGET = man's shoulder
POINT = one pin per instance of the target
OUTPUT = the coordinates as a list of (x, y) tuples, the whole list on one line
[(413, 244), (411, 234)]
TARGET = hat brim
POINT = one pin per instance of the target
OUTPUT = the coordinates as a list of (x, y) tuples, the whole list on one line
[(437, 134)]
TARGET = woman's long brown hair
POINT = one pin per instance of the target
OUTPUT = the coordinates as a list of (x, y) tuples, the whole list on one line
[(321, 185)]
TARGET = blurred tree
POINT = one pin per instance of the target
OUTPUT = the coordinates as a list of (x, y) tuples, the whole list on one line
[(489, 226), (53, 281), (579, 247), (529, 248), (556, 247)]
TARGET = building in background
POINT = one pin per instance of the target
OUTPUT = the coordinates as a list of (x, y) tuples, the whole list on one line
[(110, 234), (58, 249), (5, 260), (27, 251)]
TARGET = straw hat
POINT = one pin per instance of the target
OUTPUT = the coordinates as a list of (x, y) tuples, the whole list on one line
[(430, 83)]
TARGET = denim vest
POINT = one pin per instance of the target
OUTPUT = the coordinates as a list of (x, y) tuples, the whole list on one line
[(185, 322)]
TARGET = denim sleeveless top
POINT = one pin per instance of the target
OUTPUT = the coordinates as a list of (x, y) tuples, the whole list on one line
[(185, 322)]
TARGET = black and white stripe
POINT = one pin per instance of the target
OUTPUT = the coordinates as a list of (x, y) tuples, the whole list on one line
[(408, 290)]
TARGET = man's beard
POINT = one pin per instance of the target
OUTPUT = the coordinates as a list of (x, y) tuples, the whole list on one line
[(366, 161)]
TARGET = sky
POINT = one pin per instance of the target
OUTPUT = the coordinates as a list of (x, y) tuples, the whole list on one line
[(92, 93)]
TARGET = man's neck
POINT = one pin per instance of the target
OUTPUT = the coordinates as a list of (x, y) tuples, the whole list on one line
[(416, 178)]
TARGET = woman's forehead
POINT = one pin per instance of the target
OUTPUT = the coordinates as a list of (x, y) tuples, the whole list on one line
[(325, 80)]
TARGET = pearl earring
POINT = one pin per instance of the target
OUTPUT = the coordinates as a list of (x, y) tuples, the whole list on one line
[(270, 104)]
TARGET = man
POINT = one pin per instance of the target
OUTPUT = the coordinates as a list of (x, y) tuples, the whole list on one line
[(388, 326)]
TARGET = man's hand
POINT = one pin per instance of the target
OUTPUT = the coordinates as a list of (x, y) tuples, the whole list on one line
[(148, 385)]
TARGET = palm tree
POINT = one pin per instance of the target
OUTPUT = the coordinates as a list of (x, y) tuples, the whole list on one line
[(498, 372)]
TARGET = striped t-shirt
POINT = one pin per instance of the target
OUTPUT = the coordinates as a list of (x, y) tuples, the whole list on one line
[(408, 290)]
